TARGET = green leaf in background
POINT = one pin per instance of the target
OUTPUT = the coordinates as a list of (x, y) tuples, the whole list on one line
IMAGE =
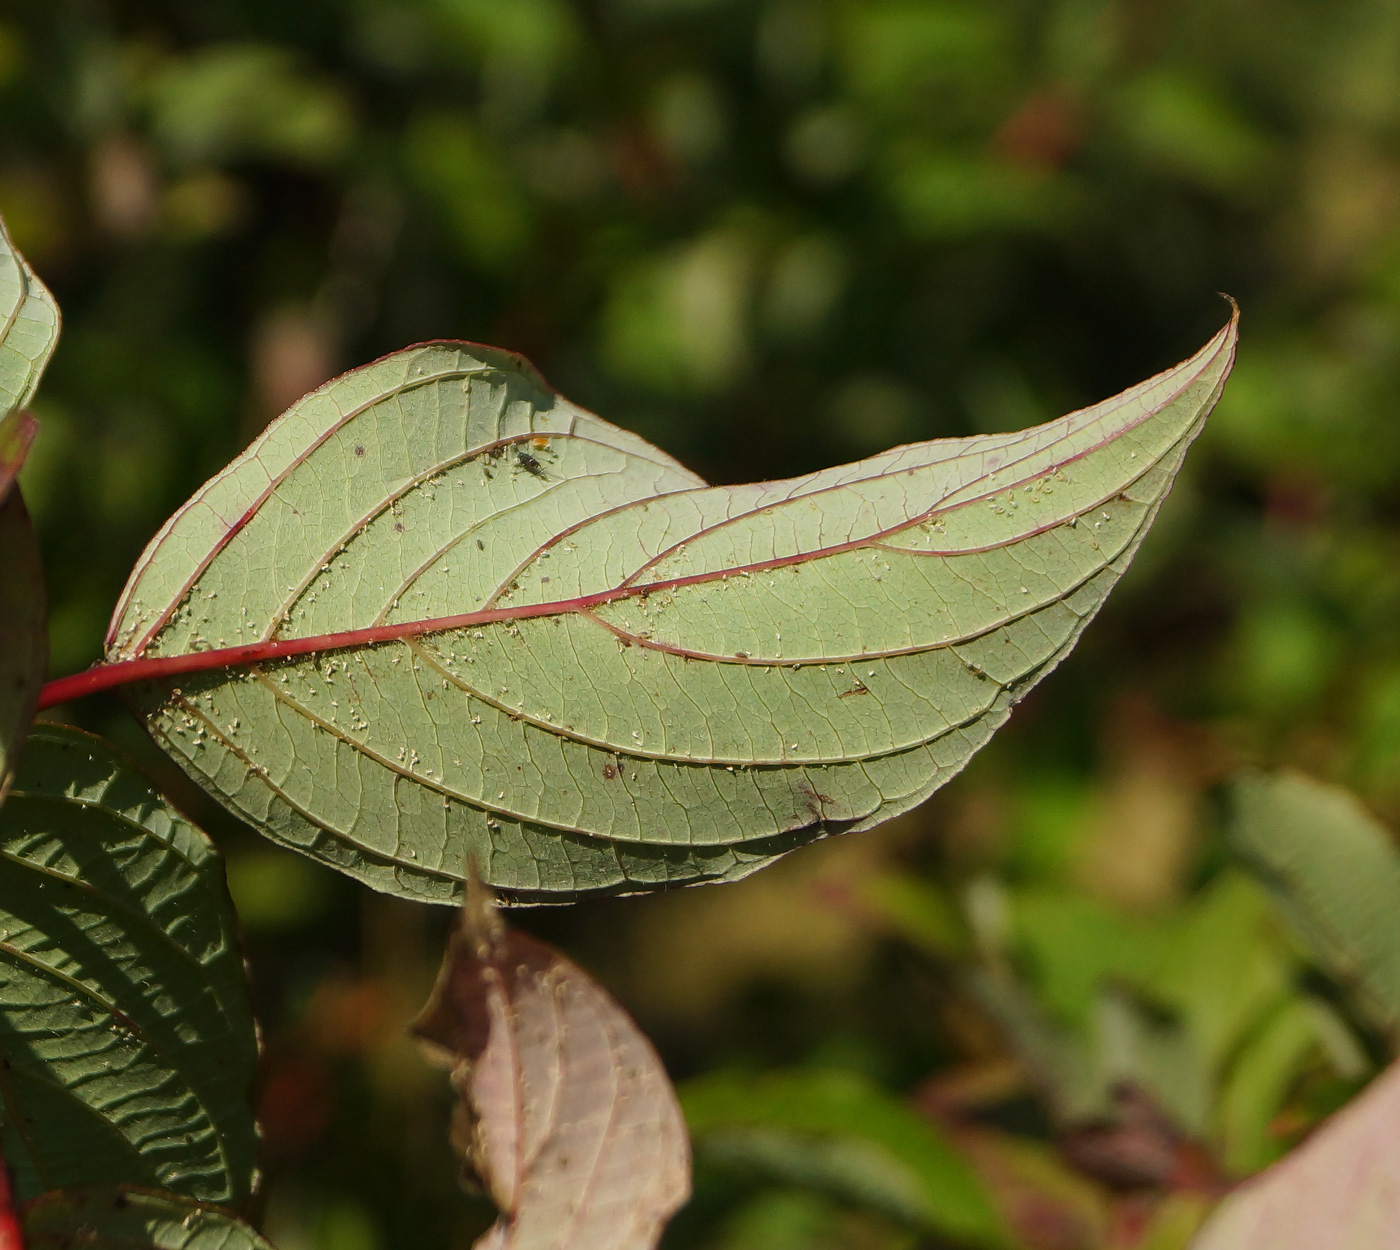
[(1262, 1077), (1210, 973), (1335, 874), (233, 101), (123, 1218), (545, 643), (1197, 1007), (127, 1039), (834, 1131), (24, 650)]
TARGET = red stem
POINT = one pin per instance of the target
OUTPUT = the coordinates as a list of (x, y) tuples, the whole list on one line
[(11, 1232)]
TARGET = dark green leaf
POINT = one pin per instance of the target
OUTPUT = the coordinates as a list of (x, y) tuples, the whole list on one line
[(127, 1044), (124, 1218)]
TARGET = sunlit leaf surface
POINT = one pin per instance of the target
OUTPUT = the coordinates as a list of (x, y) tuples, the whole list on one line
[(28, 331), (566, 1114), (120, 1218), (579, 663), (23, 631), (127, 1045), (1339, 1190)]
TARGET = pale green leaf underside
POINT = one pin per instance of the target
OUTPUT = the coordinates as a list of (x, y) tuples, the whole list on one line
[(28, 327), (28, 332), (121, 1218), (666, 682), (126, 1034)]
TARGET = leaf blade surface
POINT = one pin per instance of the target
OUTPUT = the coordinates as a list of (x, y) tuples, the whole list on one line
[(28, 332), (125, 1026), (566, 1113), (541, 632), (125, 1218)]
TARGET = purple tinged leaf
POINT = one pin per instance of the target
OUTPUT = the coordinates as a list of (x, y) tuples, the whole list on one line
[(17, 431), (1339, 1190), (24, 648), (566, 1114)]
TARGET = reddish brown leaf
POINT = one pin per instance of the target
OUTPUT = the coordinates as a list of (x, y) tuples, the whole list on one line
[(17, 431), (24, 650), (566, 1113), (1340, 1190)]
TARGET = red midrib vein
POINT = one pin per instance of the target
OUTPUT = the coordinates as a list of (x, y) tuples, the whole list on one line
[(153, 668), (123, 672)]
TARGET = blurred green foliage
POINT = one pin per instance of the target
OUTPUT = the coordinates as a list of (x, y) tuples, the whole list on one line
[(771, 235)]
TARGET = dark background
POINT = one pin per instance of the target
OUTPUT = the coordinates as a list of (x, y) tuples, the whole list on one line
[(769, 236)]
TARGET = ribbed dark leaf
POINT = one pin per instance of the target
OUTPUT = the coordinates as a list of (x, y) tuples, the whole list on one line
[(127, 1043)]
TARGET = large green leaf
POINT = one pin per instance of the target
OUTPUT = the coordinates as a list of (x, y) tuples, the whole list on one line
[(544, 642), (127, 1044), (122, 1218), (1335, 873), (24, 650)]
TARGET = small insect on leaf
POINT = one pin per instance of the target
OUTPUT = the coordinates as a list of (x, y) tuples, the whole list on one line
[(550, 1070), (529, 463)]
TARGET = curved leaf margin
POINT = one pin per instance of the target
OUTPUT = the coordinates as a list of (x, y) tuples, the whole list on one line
[(476, 619)]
